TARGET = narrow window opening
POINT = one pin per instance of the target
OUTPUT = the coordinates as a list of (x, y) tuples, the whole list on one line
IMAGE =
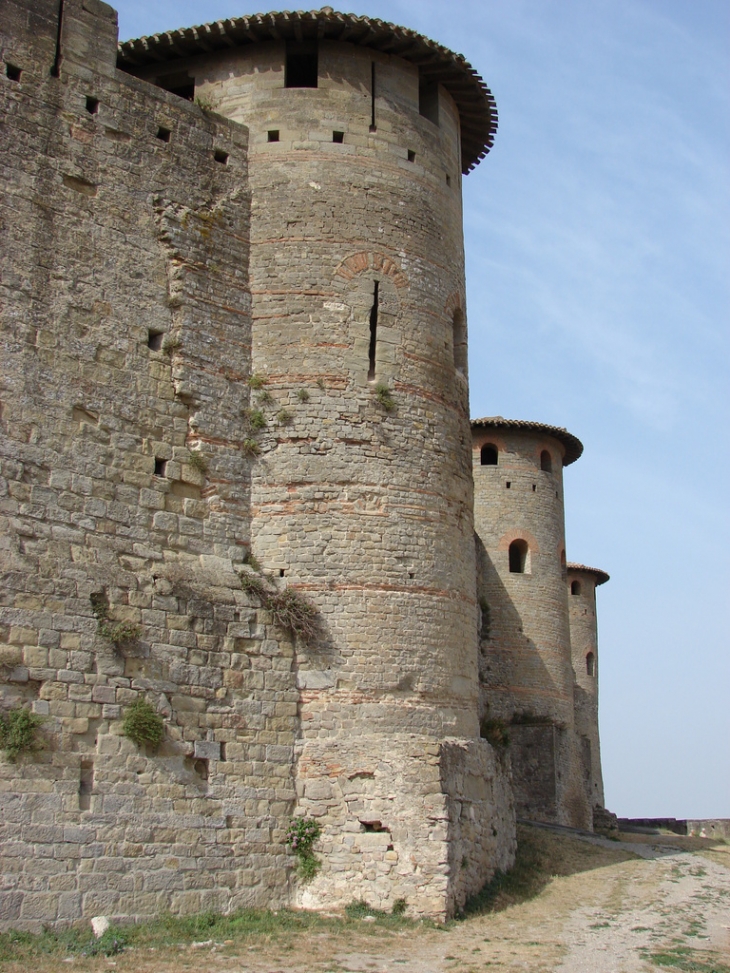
[(220, 156), (575, 587), (373, 332), (154, 340), (411, 575), (180, 84), (489, 455), (163, 134), (428, 100), (273, 135), (338, 136), (546, 461), (86, 784), (282, 572), (160, 466), (301, 65), (92, 105), (372, 96), (448, 179), (56, 66), (590, 664), (518, 551), (12, 72), (411, 155), (508, 485), (458, 326), (534, 487)]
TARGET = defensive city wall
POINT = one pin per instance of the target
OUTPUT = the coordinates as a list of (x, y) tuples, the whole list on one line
[(236, 481)]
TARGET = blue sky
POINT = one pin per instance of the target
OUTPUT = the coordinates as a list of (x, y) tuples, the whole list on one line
[(598, 258)]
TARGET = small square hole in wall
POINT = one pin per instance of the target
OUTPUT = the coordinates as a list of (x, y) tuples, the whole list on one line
[(160, 466), (338, 136), (92, 105), (220, 156), (154, 340), (508, 485), (282, 572), (163, 134), (12, 72), (411, 155), (272, 135)]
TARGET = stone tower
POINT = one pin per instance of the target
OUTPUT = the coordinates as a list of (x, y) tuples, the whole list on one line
[(526, 668), (582, 584), (359, 133)]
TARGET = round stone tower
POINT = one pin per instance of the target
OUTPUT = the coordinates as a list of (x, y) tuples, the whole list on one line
[(526, 670), (582, 584), (361, 493)]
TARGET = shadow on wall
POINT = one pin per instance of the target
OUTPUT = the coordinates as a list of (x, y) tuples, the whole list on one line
[(512, 678)]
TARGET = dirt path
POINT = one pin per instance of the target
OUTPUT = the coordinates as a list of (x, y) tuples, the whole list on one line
[(629, 907)]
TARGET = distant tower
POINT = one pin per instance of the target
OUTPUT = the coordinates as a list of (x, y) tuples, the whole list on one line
[(582, 584), (526, 671)]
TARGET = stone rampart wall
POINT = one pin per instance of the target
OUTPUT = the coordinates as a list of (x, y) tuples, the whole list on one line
[(126, 348)]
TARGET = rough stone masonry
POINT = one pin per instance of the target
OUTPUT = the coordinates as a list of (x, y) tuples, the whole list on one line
[(234, 382)]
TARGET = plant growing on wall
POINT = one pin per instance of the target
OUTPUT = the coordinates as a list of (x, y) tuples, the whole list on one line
[(115, 632), (384, 397), (494, 731), (288, 608), (18, 732), (291, 610), (301, 836), (143, 725), (198, 462)]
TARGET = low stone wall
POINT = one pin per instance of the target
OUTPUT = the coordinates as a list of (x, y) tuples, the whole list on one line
[(697, 827)]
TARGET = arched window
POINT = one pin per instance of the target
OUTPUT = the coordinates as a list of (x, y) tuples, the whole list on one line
[(546, 461), (459, 340), (575, 587), (591, 664), (489, 454), (518, 557)]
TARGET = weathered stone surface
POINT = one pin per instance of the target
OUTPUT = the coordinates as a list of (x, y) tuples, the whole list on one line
[(233, 360)]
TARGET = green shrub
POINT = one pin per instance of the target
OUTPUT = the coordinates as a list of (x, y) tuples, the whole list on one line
[(284, 417), (18, 732), (254, 585), (494, 731), (301, 836), (256, 381), (118, 632), (303, 395), (384, 396), (265, 397), (143, 725), (249, 447), (256, 419), (198, 462)]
